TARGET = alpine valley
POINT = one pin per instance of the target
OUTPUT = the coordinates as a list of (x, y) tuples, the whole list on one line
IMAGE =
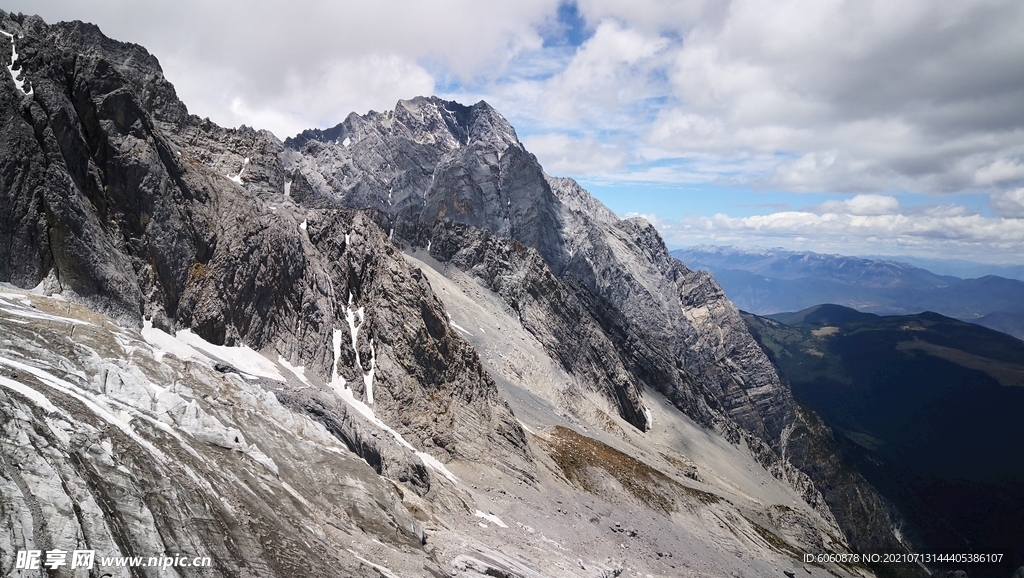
[(392, 348)]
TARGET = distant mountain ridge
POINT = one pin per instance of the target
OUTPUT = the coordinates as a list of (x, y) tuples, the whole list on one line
[(925, 405), (775, 280), (956, 267)]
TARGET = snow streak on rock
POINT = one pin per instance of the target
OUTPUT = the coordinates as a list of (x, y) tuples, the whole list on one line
[(238, 178), (20, 84)]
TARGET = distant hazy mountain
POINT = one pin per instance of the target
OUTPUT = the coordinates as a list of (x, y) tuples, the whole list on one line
[(957, 267), (927, 407), (1009, 323), (774, 280)]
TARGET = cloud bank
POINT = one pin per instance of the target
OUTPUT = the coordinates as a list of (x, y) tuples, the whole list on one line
[(866, 223), (876, 100)]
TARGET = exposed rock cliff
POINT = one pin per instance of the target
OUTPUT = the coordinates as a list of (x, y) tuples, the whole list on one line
[(601, 294), (114, 197)]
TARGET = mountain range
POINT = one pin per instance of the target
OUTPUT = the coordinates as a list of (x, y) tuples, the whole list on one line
[(396, 347), (774, 280), (926, 405)]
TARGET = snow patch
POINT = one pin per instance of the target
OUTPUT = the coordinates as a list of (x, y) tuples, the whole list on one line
[(299, 371), (457, 326), (164, 343), (346, 142), (346, 394), (242, 358), (353, 329), (491, 518), (288, 188), (34, 396), (368, 376), (337, 382), (238, 178), (20, 84), (436, 465), (297, 496), (302, 225), (384, 571)]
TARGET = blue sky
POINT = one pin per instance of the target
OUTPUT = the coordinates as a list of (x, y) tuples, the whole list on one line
[(868, 127)]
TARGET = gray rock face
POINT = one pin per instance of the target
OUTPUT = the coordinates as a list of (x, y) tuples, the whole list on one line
[(116, 198), (602, 294), (125, 204), (431, 159)]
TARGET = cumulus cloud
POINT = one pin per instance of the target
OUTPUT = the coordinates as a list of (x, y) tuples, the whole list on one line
[(848, 97), (868, 224), (1000, 171), (310, 64), (564, 154), (863, 205), (1008, 204)]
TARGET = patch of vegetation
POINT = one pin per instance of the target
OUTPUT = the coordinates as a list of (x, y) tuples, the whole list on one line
[(197, 271), (577, 454)]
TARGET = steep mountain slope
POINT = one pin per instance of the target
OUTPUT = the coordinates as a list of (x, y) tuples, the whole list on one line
[(601, 295), (927, 406), (772, 281), (656, 425)]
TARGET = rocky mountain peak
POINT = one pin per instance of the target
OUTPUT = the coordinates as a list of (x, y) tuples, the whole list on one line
[(428, 121), (479, 123)]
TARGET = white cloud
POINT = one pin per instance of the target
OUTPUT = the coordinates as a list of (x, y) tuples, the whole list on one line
[(851, 97), (868, 224), (329, 95), (601, 87), (863, 205), (271, 55), (1000, 171), (1008, 204), (564, 154)]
